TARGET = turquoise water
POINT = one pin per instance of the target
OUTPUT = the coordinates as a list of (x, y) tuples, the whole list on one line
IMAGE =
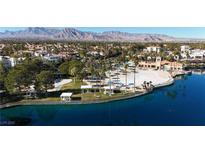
[(180, 104)]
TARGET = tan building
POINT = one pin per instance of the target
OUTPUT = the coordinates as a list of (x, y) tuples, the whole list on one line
[(171, 66), (158, 64)]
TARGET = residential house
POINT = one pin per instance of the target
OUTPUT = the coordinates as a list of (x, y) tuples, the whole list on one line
[(52, 58), (40, 53), (197, 54), (153, 49), (185, 48), (9, 62)]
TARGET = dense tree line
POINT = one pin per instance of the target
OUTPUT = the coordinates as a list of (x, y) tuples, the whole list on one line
[(31, 72), (10, 49)]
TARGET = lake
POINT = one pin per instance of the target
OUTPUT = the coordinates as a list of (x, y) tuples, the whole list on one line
[(181, 104)]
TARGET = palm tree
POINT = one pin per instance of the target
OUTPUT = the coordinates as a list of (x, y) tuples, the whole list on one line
[(150, 83), (134, 78), (74, 71), (101, 73), (187, 55), (110, 82), (92, 72), (136, 63), (125, 67), (109, 67), (82, 74)]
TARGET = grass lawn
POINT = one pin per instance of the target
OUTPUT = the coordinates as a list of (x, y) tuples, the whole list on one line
[(78, 96), (48, 99), (90, 96), (73, 85)]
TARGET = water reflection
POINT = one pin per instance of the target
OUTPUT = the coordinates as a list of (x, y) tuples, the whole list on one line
[(16, 116), (165, 106), (19, 121), (171, 94), (46, 113), (148, 97)]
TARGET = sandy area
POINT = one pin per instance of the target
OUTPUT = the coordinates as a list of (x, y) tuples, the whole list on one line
[(157, 77), (58, 85)]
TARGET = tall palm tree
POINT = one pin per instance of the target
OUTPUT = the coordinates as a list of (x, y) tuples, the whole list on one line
[(136, 63), (134, 79), (91, 71), (82, 74), (106, 66), (94, 72), (74, 71), (126, 67), (101, 73), (110, 82)]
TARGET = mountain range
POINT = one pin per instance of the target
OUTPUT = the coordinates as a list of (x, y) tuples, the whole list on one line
[(72, 34)]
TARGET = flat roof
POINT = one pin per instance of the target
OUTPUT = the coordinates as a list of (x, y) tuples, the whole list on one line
[(66, 94), (86, 86), (108, 87)]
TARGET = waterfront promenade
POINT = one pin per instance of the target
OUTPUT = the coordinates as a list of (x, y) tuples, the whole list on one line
[(158, 79)]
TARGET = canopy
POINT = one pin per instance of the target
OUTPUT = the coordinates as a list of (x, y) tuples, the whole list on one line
[(86, 87), (66, 94), (108, 87)]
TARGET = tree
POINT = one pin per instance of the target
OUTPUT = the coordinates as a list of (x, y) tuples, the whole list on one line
[(82, 54), (64, 68), (136, 64), (75, 63), (126, 67), (75, 68), (74, 71), (176, 52), (162, 54), (8, 50), (23, 75), (170, 58), (2, 75), (101, 73), (18, 79), (44, 80), (81, 74)]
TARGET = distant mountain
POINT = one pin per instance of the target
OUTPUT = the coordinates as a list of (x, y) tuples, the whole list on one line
[(66, 34)]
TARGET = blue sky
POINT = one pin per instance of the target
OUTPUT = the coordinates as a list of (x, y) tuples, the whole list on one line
[(189, 32)]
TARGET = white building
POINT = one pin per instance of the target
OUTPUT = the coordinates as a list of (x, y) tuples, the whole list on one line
[(95, 53), (184, 56), (86, 88), (153, 49), (66, 96), (185, 48), (10, 61), (13, 61), (40, 53), (52, 58), (197, 54), (5, 60)]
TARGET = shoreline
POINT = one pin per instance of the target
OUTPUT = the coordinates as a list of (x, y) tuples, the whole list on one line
[(9, 105)]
